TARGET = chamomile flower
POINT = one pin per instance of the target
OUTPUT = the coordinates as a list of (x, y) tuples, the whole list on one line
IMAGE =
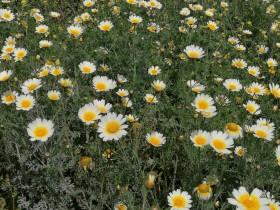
[(252, 107), (224, 4), (120, 206), (240, 47), (204, 191), (262, 49), (9, 97), (257, 89), (222, 100), (156, 139), (75, 30), (271, 62), (102, 106), (254, 70), (105, 25), (65, 82), (203, 103), (25, 102), (247, 32), (200, 138), (40, 129), (7, 15), (239, 63), (191, 21), (233, 130), (126, 102), (103, 83), (122, 93), (41, 29), (30, 85), (85, 16), (185, 12), (135, 19), (56, 70), (54, 95), (158, 85), (54, 14), (45, 43), (132, 1), (209, 12), (154, 4), (243, 200), (89, 113), (233, 40), (277, 154), (266, 123), (263, 132), (38, 17), (154, 70), (87, 67), (131, 118), (195, 86), (19, 53), (178, 199), (232, 85), (193, 51), (213, 26), (88, 3), (221, 142), (10, 41), (153, 27), (240, 151), (5, 75), (151, 98), (112, 127), (275, 90), (8, 49)]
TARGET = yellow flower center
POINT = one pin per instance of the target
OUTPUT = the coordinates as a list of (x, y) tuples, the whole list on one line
[(219, 144), (252, 71), (88, 4), (101, 86), (154, 71), (203, 104), (102, 109), (106, 27), (9, 49), (25, 103), (232, 86), (41, 132), (56, 72), (4, 78), (262, 134), (200, 140), (44, 73), (86, 69), (32, 86), (154, 141), (250, 202), (241, 152), (193, 54), (112, 127), (7, 15), (275, 92), (270, 63), (232, 127), (20, 54), (239, 64), (54, 97), (273, 206), (204, 188), (10, 98), (121, 207), (250, 108), (89, 116), (257, 89), (212, 26), (42, 30), (75, 32), (179, 201), (134, 20)]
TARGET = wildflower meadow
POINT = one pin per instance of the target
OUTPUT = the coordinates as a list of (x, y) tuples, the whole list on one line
[(139, 104)]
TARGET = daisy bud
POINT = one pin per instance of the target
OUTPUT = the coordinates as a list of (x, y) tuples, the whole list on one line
[(278, 141), (38, 57), (85, 162)]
